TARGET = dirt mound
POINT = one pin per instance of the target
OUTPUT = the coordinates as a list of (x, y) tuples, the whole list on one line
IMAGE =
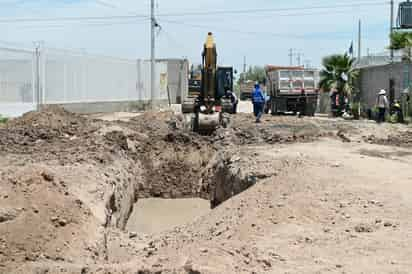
[(47, 126), (274, 130), (403, 139)]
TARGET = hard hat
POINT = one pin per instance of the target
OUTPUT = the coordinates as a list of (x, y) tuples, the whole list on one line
[(382, 92)]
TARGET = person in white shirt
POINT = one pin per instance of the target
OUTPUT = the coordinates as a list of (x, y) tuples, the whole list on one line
[(382, 104)]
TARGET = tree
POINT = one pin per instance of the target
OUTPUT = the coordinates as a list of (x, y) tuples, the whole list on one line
[(3, 119), (338, 72), (402, 41), (254, 74)]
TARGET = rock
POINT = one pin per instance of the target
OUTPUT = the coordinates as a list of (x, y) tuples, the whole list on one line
[(8, 214), (47, 176), (189, 267), (266, 262), (342, 136), (132, 235), (62, 222), (387, 224), (336, 165), (204, 250), (363, 228), (235, 159)]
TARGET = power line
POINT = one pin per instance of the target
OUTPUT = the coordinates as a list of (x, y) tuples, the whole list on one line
[(194, 13), (223, 29), (94, 24), (105, 4), (304, 14), (253, 33), (225, 12), (89, 18)]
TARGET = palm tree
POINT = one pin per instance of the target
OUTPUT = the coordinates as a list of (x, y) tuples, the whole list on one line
[(402, 41), (338, 72)]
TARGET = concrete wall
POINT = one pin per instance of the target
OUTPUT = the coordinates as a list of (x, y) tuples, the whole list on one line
[(108, 107), (177, 81), (373, 79)]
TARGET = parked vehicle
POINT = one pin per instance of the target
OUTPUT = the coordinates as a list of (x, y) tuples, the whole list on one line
[(290, 88), (246, 88)]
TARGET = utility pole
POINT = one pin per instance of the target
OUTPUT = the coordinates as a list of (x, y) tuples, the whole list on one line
[(244, 64), (360, 40), (37, 79), (152, 52), (391, 79), (391, 26), (291, 56), (299, 58)]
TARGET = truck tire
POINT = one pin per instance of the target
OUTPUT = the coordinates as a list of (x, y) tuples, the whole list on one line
[(267, 108), (310, 108), (273, 108)]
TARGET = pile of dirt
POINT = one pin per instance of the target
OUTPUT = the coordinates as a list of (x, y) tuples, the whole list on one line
[(243, 130), (403, 139), (36, 130)]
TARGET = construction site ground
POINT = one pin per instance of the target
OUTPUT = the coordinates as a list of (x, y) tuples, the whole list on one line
[(289, 195)]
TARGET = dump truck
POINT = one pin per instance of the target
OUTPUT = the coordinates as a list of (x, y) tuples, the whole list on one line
[(246, 88), (288, 86)]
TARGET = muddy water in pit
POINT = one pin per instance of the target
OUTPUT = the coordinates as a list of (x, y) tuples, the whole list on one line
[(155, 215)]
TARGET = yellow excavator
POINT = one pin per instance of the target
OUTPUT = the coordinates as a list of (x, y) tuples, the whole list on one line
[(207, 108)]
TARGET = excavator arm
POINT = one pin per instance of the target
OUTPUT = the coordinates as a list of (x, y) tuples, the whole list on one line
[(209, 69), (207, 107)]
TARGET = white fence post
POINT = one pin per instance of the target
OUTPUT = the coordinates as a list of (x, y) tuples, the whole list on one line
[(37, 77)]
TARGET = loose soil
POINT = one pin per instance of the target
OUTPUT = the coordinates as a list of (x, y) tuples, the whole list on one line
[(290, 195)]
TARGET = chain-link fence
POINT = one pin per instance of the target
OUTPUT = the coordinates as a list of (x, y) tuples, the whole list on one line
[(17, 81), (76, 80)]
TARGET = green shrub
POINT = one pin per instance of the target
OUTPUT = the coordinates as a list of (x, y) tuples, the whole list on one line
[(393, 119), (3, 119), (355, 109)]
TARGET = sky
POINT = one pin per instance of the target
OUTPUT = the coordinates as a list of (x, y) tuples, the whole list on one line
[(263, 31)]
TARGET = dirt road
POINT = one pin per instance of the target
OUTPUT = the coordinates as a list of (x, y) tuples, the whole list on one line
[(311, 195)]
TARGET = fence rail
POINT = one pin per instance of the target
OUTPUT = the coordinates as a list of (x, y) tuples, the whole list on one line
[(45, 76)]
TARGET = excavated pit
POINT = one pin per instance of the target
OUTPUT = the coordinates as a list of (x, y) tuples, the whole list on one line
[(73, 179), (150, 208), (154, 215), (177, 171)]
